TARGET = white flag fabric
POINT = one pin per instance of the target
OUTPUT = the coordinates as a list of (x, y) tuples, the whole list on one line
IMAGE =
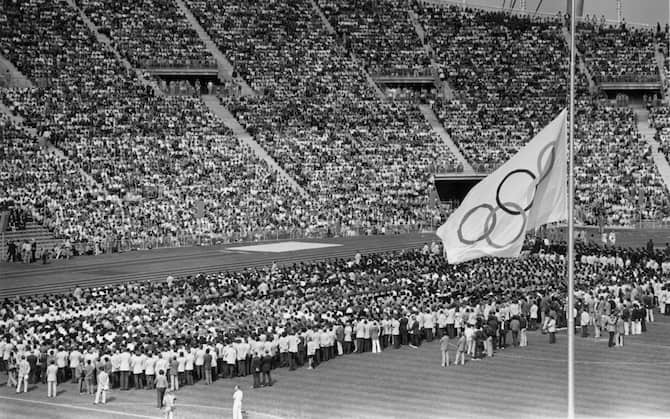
[(526, 192)]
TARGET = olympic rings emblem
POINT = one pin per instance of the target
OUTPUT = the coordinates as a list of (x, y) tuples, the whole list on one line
[(511, 208)]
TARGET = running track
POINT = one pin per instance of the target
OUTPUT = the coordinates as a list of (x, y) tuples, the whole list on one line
[(21, 279)]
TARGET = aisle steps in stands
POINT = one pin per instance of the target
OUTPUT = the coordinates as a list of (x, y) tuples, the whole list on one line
[(648, 134), (105, 41), (438, 129), (323, 18), (660, 62), (33, 231), (417, 26), (447, 90), (580, 63), (378, 92), (221, 59), (371, 82), (13, 78), (241, 133), (92, 183), (19, 121)]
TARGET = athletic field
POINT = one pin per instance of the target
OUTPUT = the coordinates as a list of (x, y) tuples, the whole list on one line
[(526, 382), (409, 383)]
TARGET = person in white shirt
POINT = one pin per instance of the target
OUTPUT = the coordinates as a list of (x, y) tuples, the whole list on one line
[(293, 341), (348, 332), (199, 362), (324, 343), (124, 368), (312, 346), (428, 325), (188, 366), (360, 336), (242, 354), (181, 367), (103, 386), (451, 321), (75, 361), (237, 403), (116, 368), (395, 332), (52, 373), (24, 372), (470, 339), (137, 363), (283, 350), (585, 320), (61, 363), (162, 364), (534, 316), (90, 355), (231, 360), (150, 370)]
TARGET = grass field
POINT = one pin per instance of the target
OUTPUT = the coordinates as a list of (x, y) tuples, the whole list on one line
[(526, 382)]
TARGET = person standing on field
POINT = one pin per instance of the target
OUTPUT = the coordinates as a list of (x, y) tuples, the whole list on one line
[(24, 372), (161, 387), (169, 404), (237, 403), (444, 349), (103, 386), (52, 377)]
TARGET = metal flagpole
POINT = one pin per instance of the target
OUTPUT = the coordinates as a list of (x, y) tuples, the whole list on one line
[(571, 225)]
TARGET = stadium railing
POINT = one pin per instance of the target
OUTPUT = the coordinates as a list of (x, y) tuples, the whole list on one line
[(258, 235), (188, 64)]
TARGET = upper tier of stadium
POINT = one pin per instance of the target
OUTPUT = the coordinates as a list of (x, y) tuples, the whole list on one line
[(97, 152)]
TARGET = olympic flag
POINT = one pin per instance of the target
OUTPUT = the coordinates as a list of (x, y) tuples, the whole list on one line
[(529, 190)]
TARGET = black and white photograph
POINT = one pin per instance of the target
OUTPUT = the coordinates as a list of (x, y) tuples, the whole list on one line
[(334, 209)]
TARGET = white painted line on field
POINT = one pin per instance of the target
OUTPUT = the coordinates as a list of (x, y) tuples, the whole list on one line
[(528, 358), (650, 345), (288, 246), (72, 406)]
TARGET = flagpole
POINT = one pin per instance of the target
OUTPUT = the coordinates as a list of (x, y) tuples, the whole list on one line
[(571, 224)]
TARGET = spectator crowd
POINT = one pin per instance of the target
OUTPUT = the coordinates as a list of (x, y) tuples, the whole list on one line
[(149, 33), (135, 166), (619, 53), (380, 34)]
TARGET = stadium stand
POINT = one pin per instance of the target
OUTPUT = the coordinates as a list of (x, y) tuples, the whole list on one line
[(509, 74), (629, 184), (367, 163), (131, 140), (380, 34), (619, 54), (149, 33)]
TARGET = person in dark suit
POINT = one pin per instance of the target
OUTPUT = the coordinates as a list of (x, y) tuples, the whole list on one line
[(11, 251), (416, 333), (256, 364), (32, 361), (404, 336), (207, 366), (266, 366)]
